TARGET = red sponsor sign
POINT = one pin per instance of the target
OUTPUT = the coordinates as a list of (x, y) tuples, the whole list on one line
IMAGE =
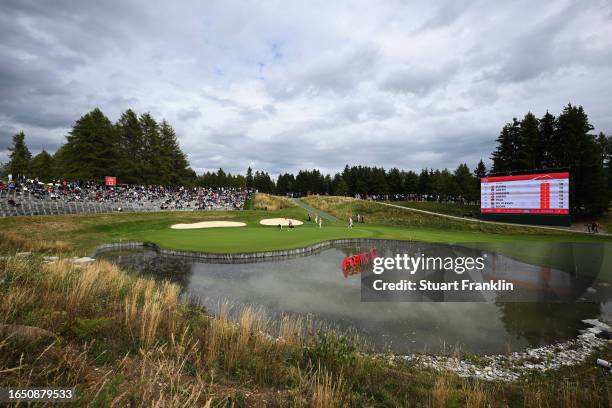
[(355, 263), (111, 181), (545, 176)]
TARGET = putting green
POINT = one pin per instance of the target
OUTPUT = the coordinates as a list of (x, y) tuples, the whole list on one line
[(259, 238)]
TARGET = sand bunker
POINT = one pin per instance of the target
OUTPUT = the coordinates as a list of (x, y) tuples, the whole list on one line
[(282, 221), (209, 224)]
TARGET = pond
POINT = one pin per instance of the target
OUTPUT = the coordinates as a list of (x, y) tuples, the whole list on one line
[(549, 305)]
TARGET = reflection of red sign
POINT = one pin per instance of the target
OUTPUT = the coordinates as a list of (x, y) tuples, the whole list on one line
[(111, 181), (353, 264)]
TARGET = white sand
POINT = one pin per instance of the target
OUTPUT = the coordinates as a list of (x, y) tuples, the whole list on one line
[(209, 224), (282, 221)]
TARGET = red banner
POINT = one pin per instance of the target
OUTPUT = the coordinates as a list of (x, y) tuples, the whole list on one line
[(111, 181), (545, 176), (354, 264)]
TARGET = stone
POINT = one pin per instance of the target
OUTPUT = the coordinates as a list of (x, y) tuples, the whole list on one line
[(83, 260), (24, 333)]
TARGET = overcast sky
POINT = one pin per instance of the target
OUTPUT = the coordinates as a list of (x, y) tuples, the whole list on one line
[(285, 85)]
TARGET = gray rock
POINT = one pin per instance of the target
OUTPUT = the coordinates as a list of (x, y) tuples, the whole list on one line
[(83, 260)]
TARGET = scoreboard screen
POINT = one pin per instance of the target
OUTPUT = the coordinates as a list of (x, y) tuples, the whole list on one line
[(525, 194)]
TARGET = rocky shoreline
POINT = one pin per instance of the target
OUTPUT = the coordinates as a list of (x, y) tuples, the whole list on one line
[(510, 367)]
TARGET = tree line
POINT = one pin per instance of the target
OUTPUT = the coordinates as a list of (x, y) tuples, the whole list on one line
[(460, 184), (444, 184), (566, 143), (135, 149), (138, 149)]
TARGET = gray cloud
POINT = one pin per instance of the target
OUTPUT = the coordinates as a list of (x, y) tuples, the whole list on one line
[(317, 84), (417, 80), (187, 114), (338, 73), (446, 13)]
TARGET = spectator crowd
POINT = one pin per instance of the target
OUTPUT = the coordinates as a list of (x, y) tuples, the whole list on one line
[(149, 197), (419, 197)]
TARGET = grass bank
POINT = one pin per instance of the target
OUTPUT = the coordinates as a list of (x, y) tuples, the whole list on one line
[(457, 210), (271, 203), (379, 214), (123, 340)]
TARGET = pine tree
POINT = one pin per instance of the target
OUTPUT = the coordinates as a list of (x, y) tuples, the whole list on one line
[(41, 166), (465, 182), (91, 150), (548, 144), (395, 181), (339, 186), (583, 156), (152, 161), (518, 147), (377, 182), (284, 184), (411, 182), (20, 156), (263, 183), (480, 171), (172, 160), (424, 186), (605, 144), (529, 151), (249, 178), (327, 185), (131, 148), (502, 156)]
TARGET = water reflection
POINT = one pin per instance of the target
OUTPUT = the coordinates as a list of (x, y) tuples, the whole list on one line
[(316, 285), (567, 281)]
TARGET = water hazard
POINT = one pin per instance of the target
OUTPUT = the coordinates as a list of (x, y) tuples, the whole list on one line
[(555, 291)]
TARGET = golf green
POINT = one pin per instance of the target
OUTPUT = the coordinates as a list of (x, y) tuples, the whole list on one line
[(257, 238)]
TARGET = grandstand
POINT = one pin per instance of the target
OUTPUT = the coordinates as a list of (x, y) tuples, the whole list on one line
[(30, 197)]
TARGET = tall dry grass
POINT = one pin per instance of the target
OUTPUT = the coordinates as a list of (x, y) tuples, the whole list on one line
[(124, 340), (166, 370), (322, 389), (18, 241), (478, 394), (271, 203), (440, 392)]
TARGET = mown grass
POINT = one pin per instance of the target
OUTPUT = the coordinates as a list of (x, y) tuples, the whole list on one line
[(123, 340), (79, 234)]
